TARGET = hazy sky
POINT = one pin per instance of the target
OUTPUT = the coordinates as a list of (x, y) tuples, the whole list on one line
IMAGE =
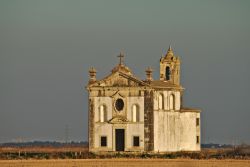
[(47, 47)]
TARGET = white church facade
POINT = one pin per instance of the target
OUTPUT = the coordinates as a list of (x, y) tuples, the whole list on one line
[(130, 114)]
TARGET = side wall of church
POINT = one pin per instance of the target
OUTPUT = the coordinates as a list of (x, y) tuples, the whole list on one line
[(174, 130), (189, 131), (167, 131)]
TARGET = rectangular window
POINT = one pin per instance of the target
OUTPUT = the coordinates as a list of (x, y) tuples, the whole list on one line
[(197, 139), (103, 141), (136, 141), (197, 121)]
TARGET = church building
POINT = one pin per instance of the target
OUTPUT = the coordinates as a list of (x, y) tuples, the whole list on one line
[(128, 114)]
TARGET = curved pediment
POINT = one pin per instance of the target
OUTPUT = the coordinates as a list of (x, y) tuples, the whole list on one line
[(120, 79)]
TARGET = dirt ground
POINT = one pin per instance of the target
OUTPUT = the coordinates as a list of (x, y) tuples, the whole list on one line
[(125, 163)]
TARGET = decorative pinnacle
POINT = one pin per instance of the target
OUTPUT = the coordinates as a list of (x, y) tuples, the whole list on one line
[(170, 52), (92, 70), (92, 74), (149, 74), (149, 70), (170, 48)]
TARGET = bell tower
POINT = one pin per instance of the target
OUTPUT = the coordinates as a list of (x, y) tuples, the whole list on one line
[(170, 68)]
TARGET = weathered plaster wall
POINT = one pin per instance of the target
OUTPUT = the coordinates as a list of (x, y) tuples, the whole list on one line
[(189, 131), (175, 131), (167, 131), (103, 129), (134, 130)]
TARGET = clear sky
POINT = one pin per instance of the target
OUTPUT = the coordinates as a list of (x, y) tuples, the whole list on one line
[(47, 47)]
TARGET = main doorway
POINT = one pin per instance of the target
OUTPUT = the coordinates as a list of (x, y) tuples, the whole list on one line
[(119, 140)]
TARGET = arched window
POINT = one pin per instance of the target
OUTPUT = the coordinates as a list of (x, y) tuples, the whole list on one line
[(168, 73), (135, 113), (160, 100), (171, 102), (103, 113)]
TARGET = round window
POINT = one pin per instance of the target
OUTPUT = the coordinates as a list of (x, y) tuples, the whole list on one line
[(119, 104)]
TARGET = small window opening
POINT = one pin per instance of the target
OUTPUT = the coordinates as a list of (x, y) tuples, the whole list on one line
[(197, 139), (103, 141), (197, 121), (136, 141), (168, 73)]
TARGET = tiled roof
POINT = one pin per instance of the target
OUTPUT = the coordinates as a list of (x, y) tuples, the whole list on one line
[(164, 84), (187, 109)]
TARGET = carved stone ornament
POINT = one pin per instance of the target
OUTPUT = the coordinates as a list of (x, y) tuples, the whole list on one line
[(118, 120)]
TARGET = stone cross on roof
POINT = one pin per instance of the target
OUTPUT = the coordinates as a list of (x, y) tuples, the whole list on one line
[(121, 56)]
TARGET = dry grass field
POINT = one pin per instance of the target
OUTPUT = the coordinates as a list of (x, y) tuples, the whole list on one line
[(125, 163), (42, 149), (42, 153), (79, 156)]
